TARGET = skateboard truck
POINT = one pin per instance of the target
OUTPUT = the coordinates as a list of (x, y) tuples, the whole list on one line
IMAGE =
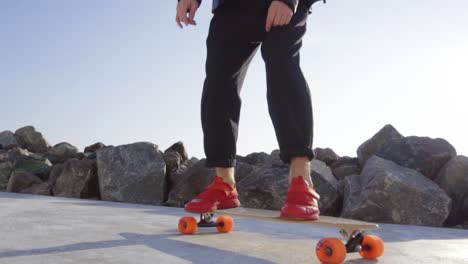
[(354, 240), (205, 220)]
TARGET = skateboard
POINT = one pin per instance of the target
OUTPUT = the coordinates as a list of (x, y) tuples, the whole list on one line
[(328, 250)]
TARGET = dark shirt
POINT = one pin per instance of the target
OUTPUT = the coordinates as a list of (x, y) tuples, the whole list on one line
[(290, 3)]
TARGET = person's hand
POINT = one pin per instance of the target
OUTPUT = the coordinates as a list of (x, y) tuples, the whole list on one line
[(279, 14), (184, 7)]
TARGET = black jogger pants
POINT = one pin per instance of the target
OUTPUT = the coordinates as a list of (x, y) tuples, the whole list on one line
[(236, 31)]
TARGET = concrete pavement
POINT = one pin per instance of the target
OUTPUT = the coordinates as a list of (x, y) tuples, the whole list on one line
[(42, 229)]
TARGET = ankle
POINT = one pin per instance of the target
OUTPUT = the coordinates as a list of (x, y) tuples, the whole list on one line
[(229, 181), (301, 167), (227, 174)]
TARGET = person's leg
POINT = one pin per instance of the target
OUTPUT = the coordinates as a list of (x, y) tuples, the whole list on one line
[(290, 109), (231, 45), (288, 94)]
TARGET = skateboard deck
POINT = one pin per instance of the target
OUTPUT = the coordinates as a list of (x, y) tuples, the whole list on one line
[(328, 250), (270, 215)]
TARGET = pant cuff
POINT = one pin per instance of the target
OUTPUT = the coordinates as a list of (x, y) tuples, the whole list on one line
[(296, 151), (225, 163)]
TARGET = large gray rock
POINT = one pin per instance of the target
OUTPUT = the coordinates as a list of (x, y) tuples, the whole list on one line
[(95, 147), (5, 170), (326, 155), (8, 140), (388, 193), (31, 139), (386, 137), (327, 187), (243, 170), (56, 171), (55, 160), (265, 187), (275, 159), (262, 159), (188, 181), (256, 158), (12, 154), (175, 156), (173, 160), (345, 166), (423, 154), (90, 155), (78, 179), (44, 188), (4, 155), (133, 173), (63, 151), (453, 178), (465, 210), (21, 180), (35, 165), (25, 182), (179, 148)]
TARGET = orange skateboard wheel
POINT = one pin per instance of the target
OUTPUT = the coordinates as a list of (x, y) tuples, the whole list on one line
[(372, 247), (225, 224), (188, 225), (331, 251)]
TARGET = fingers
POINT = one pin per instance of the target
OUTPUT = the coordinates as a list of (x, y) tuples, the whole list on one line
[(178, 20), (186, 11), (193, 10), (279, 18), (270, 18), (288, 20), (183, 15), (182, 8), (278, 15), (285, 19)]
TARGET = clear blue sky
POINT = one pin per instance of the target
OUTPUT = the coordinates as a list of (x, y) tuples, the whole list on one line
[(121, 71)]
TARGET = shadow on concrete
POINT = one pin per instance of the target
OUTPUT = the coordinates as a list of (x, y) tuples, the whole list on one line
[(184, 250)]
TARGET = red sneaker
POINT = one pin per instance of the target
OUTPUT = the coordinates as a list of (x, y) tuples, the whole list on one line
[(302, 202), (219, 195)]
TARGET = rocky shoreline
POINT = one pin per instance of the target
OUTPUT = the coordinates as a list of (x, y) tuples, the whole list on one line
[(393, 179)]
